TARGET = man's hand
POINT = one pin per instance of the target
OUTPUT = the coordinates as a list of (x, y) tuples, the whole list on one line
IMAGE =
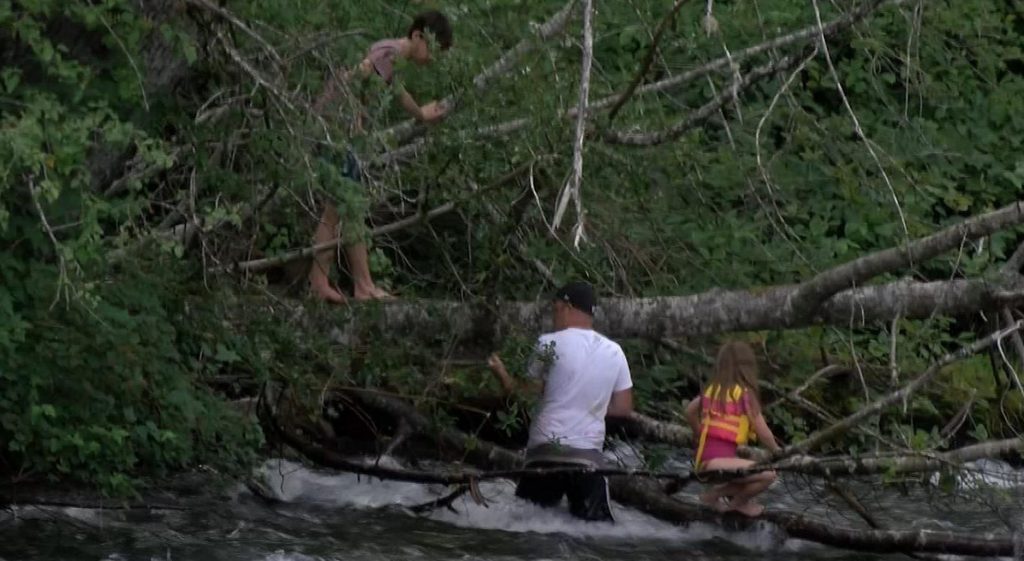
[(498, 367), (495, 363)]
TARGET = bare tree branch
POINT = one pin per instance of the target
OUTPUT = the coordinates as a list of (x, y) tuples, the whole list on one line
[(803, 35), (707, 313), (263, 264), (901, 395), (237, 22), (647, 496), (257, 265), (571, 190), (645, 66), (408, 129), (800, 36), (809, 295), (727, 95)]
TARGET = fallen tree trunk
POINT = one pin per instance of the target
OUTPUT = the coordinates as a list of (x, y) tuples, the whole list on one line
[(829, 467), (707, 313), (642, 427), (647, 496), (773, 308), (898, 463)]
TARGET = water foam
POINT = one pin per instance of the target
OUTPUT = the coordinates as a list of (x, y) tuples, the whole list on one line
[(502, 511), (986, 473)]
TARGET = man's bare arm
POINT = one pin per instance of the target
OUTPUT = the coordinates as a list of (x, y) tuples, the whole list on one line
[(508, 383)]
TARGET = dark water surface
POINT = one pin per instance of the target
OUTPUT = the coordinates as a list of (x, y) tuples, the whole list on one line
[(331, 516)]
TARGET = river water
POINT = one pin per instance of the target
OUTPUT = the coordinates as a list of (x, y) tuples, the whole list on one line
[(322, 515)]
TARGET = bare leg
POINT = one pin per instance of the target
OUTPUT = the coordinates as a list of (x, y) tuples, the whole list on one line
[(713, 496), (743, 502), (319, 282), (359, 268), (742, 491)]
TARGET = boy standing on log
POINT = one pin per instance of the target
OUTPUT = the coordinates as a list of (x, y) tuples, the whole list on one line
[(376, 76), (583, 377)]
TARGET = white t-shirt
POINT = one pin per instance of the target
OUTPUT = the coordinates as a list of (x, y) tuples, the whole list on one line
[(580, 368)]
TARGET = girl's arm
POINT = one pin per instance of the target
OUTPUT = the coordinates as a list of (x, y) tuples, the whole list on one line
[(760, 426), (693, 416)]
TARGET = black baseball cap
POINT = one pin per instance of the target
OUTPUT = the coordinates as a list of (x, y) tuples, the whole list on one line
[(579, 295)]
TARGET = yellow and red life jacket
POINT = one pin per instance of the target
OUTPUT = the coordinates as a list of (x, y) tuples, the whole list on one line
[(729, 423)]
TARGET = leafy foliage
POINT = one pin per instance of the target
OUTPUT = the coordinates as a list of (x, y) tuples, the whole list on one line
[(146, 145)]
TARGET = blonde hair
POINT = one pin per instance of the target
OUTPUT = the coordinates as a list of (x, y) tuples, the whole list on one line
[(736, 365)]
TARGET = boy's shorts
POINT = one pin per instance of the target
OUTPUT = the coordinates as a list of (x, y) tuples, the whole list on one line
[(342, 182)]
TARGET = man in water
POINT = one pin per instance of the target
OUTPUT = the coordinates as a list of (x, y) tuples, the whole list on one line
[(375, 77), (583, 377)]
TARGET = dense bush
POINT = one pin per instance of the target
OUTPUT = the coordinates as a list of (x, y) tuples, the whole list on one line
[(121, 121)]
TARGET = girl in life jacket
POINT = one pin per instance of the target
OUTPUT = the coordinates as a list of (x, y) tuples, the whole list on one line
[(726, 415)]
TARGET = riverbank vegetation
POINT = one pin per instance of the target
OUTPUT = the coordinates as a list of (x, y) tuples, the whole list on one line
[(838, 183)]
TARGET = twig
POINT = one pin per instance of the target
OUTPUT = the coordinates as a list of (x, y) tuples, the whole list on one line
[(957, 421), (856, 122), (572, 187), (894, 368), (1018, 342), (131, 60), (806, 298), (645, 66), (445, 501), (263, 264), (823, 435), (760, 124), (63, 281), (852, 501), (703, 113), (234, 20), (794, 37), (553, 26), (253, 73), (827, 372), (1016, 260)]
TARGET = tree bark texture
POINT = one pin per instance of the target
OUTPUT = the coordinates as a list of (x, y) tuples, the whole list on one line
[(712, 312)]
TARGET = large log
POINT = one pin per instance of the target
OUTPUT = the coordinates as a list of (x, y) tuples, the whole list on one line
[(836, 296), (647, 496), (712, 312)]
